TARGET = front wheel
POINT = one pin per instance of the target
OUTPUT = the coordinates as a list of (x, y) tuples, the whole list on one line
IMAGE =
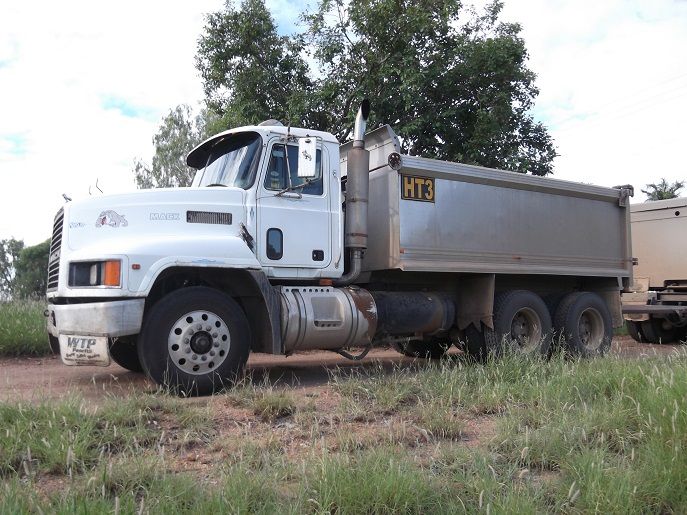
[(195, 341)]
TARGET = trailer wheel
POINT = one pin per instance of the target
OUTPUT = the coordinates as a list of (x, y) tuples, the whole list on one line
[(584, 322), (195, 341), (658, 330), (426, 349), (522, 323), (124, 352), (634, 329)]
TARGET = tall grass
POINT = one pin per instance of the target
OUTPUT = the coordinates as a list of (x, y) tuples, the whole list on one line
[(558, 436), (22, 328)]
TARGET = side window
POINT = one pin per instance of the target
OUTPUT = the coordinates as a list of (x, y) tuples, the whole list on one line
[(275, 244), (277, 177)]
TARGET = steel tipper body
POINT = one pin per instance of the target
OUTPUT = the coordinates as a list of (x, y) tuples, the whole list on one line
[(656, 308), (288, 241)]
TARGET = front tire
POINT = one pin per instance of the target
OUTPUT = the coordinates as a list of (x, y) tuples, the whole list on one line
[(195, 341)]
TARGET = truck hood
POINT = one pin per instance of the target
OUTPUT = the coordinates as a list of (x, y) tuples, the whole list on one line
[(160, 213)]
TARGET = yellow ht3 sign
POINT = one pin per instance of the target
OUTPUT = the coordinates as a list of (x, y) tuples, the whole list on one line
[(417, 188)]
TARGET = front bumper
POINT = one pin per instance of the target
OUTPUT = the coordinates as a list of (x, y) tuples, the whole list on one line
[(112, 319)]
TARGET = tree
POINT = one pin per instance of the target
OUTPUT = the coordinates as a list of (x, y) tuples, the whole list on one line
[(9, 254), (249, 72), (663, 190), (31, 271), (179, 132), (453, 83)]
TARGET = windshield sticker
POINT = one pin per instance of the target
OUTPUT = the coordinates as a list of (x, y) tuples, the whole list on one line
[(111, 218)]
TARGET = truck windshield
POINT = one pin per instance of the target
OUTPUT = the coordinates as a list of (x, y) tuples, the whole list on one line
[(233, 161)]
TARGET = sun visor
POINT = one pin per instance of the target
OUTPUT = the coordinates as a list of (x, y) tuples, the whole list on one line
[(216, 146)]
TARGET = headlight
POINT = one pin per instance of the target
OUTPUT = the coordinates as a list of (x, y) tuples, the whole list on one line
[(96, 273)]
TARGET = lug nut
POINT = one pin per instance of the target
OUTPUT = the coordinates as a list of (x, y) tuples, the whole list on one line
[(216, 344), (208, 328), (212, 353), (188, 350), (204, 358), (214, 335), (194, 357)]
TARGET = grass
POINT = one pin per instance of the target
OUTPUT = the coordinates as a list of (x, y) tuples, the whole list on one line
[(511, 436), (22, 328)]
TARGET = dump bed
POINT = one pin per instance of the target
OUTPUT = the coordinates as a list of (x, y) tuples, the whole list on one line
[(439, 216), (658, 242)]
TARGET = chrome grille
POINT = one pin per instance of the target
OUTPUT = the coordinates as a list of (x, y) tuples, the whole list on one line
[(55, 247)]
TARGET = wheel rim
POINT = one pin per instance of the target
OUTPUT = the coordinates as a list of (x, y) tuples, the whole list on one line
[(591, 329), (526, 330), (198, 342)]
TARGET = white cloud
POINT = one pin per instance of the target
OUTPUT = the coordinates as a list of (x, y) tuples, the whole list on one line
[(82, 89), (613, 82)]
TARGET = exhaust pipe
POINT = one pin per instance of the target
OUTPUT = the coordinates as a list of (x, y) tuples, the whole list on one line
[(357, 194)]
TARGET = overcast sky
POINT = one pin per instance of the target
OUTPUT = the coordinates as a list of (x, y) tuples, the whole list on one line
[(83, 89)]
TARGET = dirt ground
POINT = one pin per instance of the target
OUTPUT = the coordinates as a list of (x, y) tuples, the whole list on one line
[(37, 379)]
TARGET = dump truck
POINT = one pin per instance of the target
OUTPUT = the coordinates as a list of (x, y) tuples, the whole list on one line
[(656, 307), (289, 241)]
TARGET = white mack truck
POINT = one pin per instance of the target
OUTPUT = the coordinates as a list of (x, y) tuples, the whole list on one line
[(289, 241)]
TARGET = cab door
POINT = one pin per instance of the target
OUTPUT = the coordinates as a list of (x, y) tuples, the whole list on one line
[(294, 213)]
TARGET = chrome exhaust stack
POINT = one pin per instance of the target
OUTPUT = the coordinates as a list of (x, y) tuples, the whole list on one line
[(357, 195)]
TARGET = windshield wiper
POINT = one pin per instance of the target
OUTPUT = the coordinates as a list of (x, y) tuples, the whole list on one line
[(305, 183)]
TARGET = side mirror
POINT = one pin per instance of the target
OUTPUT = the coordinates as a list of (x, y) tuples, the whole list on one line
[(307, 151)]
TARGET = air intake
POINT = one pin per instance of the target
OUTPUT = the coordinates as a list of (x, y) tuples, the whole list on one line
[(208, 217)]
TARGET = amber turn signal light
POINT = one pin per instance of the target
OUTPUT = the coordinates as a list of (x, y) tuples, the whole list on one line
[(112, 273)]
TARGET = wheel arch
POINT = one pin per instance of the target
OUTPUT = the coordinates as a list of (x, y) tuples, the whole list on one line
[(258, 299)]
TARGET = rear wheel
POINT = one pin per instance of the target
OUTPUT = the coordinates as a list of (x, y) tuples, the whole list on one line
[(124, 352), (584, 321), (658, 330), (195, 341), (522, 323)]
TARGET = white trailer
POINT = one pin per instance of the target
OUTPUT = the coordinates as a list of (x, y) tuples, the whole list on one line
[(287, 241), (656, 308)]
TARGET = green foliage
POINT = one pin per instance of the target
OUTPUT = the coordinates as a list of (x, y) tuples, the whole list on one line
[(9, 254), (176, 137), (452, 82), (22, 328), (31, 271), (249, 72), (663, 190)]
